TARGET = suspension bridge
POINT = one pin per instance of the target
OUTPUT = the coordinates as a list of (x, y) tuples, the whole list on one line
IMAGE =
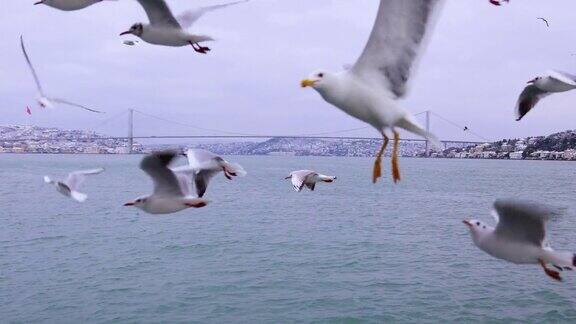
[(217, 134)]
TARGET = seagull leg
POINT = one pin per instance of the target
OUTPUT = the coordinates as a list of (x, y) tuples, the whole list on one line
[(377, 173), (551, 273), (395, 165), (199, 49)]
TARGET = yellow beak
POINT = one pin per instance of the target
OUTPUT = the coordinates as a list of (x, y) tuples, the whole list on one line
[(307, 83)]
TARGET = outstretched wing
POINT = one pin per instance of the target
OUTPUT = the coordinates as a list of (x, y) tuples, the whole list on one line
[(299, 178), (66, 102), (75, 179), (34, 74), (188, 18), (528, 100), (396, 38), (521, 221), (159, 13), (165, 181), (201, 180)]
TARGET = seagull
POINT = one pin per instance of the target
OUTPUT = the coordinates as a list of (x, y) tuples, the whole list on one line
[(544, 20), (204, 165), (466, 128), (498, 2), (307, 178), (171, 189), (69, 5), (520, 236), (43, 100), (370, 89), (70, 186), (167, 30), (542, 86), (130, 42)]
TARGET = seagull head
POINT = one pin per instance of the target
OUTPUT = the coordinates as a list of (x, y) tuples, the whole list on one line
[(45, 102), (477, 228), (317, 80), (136, 29), (534, 80), (138, 202)]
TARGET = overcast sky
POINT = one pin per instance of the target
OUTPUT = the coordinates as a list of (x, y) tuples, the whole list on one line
[(477, 62)]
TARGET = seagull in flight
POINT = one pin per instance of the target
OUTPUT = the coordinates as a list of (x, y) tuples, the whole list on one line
[(308, 178), (204, 165), (520, 237), (167, 30), (543, 86), (371, 88), (498, 2), (544, 20), (69, 5), (43, 100), (71, 185), (171, 189)]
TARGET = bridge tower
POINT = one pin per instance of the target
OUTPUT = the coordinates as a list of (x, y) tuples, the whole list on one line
[(131, 131), (428, 130)]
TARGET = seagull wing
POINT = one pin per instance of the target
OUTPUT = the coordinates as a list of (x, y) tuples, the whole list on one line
[(159, 13), (393, 46), (166, 183), (521, 221), (197, 157), (75, 179), (188, 18), (528, 100), (201, 180), (66, 102), (36, 79), (566, 78), (544, 20), (299, 178)]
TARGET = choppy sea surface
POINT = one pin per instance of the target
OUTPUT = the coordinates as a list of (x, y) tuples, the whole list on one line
[(350, 252)]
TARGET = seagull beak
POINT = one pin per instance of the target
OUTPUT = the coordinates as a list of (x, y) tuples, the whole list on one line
[(307, 83), (128, 204), (125, 33), (467, 222), (39, 2), (531, 81)]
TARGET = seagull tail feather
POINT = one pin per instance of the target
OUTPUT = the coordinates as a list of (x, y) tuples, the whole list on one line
[(560, 258), (78, 196), (235, 169), (410, 125)]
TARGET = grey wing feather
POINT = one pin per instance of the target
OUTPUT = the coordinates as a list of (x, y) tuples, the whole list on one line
[(396, 38), (188, 18), (165, 180), (528, 100), (522, 221), (36, 79), (159, 13), (66, 102), (75, 179), (201, 180)]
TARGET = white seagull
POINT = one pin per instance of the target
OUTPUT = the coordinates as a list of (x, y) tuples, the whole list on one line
[(520, 236), (370, 89), (204, 165), (43, 100), (69, 5), (171, 189), (542, 86), (167, 30), (71, 185), (307, 178)]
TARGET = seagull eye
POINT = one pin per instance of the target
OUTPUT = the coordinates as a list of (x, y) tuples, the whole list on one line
[(477, 223), (320, 75)]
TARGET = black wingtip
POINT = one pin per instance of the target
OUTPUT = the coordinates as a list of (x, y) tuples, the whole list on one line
[(574, 260)]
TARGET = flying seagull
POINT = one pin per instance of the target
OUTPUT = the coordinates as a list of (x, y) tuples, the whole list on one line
[(370, 89), (167, 30), (130, 42), (69, 5), (544, 20), (171, 189), (498, 2), (43, 100), (71, 185), (542, 86), (520, 236), (307, 178), (204, 165)]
